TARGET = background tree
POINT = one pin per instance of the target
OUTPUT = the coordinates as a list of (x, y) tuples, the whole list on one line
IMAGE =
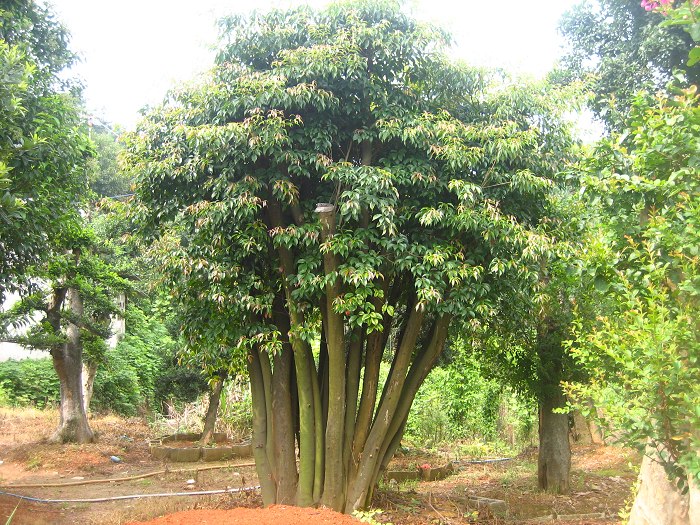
[(105, 177), (525, 347), (332, 180), (643, 355), (622, 48), (74, 298), (42, 144)]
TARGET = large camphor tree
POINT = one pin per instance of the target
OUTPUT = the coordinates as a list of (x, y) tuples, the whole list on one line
[(333, 193)]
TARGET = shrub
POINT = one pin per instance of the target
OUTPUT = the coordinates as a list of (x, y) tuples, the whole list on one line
[(29, 382)]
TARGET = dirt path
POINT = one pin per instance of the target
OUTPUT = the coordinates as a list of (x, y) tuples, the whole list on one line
[(275, 515), (601, 481)]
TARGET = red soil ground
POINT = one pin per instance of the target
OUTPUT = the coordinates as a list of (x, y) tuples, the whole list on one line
[(275, 515)]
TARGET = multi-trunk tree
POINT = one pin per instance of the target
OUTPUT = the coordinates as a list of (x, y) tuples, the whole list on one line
[(332, 181)]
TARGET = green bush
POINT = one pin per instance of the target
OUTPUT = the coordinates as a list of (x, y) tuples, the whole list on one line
[(117, 386), (142, 372), (457, 403), (4, 396), (29, 382)]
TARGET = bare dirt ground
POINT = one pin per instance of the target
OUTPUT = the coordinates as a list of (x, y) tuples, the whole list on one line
[(601, 481)]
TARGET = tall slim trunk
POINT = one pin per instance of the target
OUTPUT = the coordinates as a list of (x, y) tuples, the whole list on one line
[(554, 461), (212, 411), (352, 383), (73, 425), (260, 428), (334, 473), (89, 371), (282, 421)]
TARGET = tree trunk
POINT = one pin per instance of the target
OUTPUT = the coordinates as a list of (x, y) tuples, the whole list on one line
[(554, 461), (212, 411), (658, 500), (89, 371), (597, 435), (282, 422), (260, 429), (341, 446), (73, 425), (333, 493)]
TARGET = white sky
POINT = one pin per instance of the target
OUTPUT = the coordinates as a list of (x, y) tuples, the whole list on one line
[(133, 51)]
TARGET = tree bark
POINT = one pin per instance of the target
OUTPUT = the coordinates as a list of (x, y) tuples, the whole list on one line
[(334, 473), (658, 501), (282, 422), (260, 429), (73, 425), (88, 373), (554, 460), (352, 383), (212, 411)]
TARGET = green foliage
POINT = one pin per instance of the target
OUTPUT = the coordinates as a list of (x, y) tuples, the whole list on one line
[(685, 14), (105, 177), (143, 370), (29, 382), (643, 353), (449, 198), (43, 146), (4, 396), (369, 516), (457, 402), (117, 385), (622, 48), (235, 410), (32, 27)]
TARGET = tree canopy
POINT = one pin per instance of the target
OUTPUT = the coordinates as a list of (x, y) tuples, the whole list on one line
[(624, 49), (332, 177), (43, 146)]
